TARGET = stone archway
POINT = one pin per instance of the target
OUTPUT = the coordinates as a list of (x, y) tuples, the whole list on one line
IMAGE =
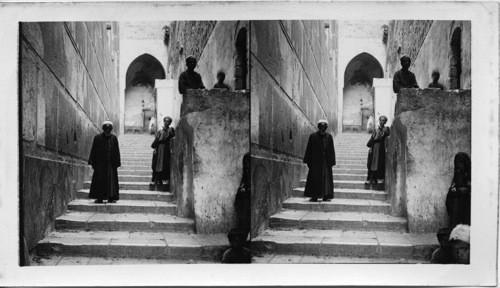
[(140, 92), (358, 102)]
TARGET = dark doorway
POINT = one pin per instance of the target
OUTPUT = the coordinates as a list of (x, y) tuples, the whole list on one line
[(358, 91), (456, 59), (140, 92), (240, 61)]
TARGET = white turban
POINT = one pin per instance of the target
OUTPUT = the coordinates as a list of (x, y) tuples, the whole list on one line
[(107, 122), (461, 232), (323, 121)]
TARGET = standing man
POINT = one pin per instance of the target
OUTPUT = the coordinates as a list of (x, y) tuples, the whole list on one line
[(404, 78), (320, 158), (376, 154), (190, 79), (105, 159), (161, 154)]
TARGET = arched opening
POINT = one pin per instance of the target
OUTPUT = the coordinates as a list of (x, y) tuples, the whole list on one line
[(140, 92), (240, 61), (358, 93), (456, 59)]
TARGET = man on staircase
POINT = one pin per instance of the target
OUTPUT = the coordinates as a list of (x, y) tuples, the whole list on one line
[(320, 158), (105, 159)]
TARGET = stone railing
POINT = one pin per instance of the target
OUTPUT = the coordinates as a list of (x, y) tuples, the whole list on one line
[(212, 136), (430, 127)]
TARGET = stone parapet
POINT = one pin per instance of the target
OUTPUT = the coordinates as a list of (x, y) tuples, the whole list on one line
[(430, 127), (207, 153)]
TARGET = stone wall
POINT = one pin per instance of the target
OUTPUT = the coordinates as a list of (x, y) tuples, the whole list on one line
[(293, 84), (214, 48), (187, 38), (69, 86), (431, 126), (428, 43), (211, 139)]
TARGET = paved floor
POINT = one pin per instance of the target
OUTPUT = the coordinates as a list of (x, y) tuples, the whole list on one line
[(308, 259)]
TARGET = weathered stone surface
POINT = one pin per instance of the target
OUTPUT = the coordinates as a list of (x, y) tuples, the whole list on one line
[(428, 43), (211, 139), (430, 128), (66, 96), (292, 87)]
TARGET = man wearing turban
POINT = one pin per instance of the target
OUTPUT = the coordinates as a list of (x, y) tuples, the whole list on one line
[(404, 78), (320, 158), (105, 159)]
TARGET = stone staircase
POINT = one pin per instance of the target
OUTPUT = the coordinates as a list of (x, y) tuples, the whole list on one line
[(141, 225), (355, 227)]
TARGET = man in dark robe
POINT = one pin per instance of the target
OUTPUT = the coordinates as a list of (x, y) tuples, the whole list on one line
[(161, 154), (189, 79), (105, 159), (404, 78), (320, 158), (376, 154), (458, 203), (221, 76), (435, 79)]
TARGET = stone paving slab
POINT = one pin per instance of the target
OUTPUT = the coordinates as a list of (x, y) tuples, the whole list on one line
[(161, 245), (336, 220), (123, 206), (124, 221), (377, 244), (134, 195), (76, 260), (338, 205), (308, 259), (348, 193)]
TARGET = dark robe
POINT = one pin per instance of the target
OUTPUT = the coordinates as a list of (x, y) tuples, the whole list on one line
[(221, 86), (458, 199), (105, 159), (376, 155), (320, 158), (403, 79), (161, 155), (190, 80), (436, 85)]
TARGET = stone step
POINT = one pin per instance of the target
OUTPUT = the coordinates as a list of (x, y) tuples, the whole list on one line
[(128, 185), (358, 156), (312, 259), (337, 170), (135, 166), (345, 193), (135, 156), (65, 260), (138, 162), (123, 206), (135, 195), (349, 177), (124, 244), (135, 172), (134, 178), (302, 219), (94, 221), (338, 205), (350, 166), (352, 185), (373, 244), (349, 161)]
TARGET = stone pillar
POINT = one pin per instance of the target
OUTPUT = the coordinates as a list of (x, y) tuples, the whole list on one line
[(431, 126), (207, 153), (168, 101), (384, 104)]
